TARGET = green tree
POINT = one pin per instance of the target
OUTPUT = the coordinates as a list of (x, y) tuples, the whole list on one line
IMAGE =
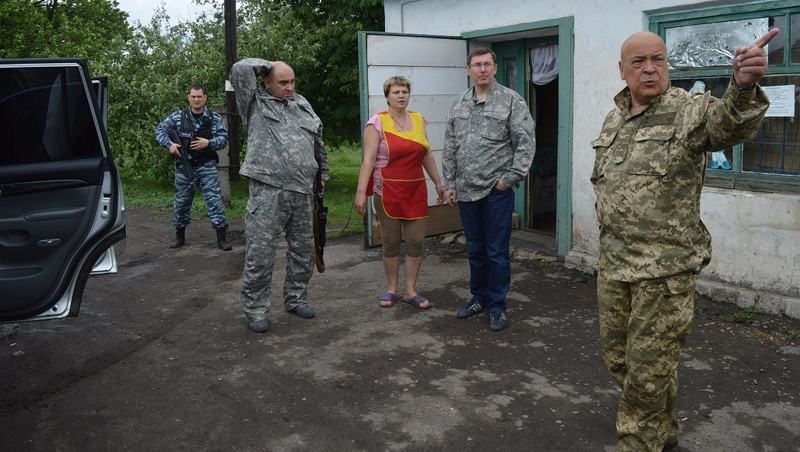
[(328, 30), (150, 66), (161, 61), (338, 23), (95, 30)]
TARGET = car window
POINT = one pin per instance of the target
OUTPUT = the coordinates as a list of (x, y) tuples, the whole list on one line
[(46, 113)]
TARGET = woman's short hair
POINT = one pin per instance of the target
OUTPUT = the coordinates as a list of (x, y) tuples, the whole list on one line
[(397, 80)]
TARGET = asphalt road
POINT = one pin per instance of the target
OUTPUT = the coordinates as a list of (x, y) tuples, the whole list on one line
[(160, 359)]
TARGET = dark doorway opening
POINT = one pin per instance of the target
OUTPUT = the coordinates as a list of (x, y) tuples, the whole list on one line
[(542, 189)]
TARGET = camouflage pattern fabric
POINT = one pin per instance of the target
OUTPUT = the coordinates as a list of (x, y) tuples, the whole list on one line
[(207, 178), (219, 136), (284, 144), (270, 213), (283, 135), (648, 175), (486, 142), (643, 326)]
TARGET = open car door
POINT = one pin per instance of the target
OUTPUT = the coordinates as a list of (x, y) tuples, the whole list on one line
[(435, 67), (61, 204), (107, 263)]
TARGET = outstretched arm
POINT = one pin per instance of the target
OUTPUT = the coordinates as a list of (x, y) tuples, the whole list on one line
[(737, 116)]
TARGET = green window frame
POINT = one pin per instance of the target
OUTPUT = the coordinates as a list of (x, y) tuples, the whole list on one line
[(783, 69)]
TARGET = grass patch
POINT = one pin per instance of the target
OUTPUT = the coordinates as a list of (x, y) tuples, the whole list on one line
[(744, 315), (343, 161), (794, 334)]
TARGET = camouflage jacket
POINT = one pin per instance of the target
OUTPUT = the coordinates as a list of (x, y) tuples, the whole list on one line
[(283, 135), (486, 142), (648, 175), (219, 136)]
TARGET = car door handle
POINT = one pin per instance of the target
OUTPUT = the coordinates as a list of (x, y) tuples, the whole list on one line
[(48, 243)]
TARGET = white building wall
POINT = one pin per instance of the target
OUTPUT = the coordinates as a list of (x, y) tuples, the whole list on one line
[(756, 235)]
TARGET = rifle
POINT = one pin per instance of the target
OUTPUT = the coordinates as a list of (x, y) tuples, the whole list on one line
[(185, 144), (319, 220)]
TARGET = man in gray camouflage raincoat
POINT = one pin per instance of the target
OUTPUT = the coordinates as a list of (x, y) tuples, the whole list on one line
[(648, 175), (284, 144), (488, 149)]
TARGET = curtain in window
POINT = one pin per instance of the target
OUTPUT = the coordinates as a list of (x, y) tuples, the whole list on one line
[(544, 64)]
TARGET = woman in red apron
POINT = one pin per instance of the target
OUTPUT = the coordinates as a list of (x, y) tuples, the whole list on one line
[(396, 150)]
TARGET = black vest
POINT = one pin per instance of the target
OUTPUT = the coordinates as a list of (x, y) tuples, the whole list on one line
[(188, 133)]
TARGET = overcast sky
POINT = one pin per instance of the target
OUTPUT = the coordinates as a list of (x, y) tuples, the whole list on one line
[(142, 10)]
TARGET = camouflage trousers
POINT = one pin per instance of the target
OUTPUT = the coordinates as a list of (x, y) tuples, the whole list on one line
[(271, 212), (207, 178), (643, 327)]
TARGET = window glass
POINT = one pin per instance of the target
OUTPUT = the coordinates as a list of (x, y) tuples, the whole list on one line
[(776, 149), (510, 66), (713, 44), (795, 38), (775, 47), (719, 159), (46, 115)]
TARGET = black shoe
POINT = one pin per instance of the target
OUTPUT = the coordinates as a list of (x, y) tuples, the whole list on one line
[(222, 240), (472, 308), (180, 238), (671, 444), (304, 312), (497, 321), (259, 326)]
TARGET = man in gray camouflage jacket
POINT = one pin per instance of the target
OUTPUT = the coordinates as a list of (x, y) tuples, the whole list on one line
[(284, 144), (488, 150)]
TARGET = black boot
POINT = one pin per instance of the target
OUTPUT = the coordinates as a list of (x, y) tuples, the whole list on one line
[(222, 240), (180, 238)]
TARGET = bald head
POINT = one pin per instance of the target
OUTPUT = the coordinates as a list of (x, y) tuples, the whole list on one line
[(643, 66), (280, 81), (279, 66), (639, 38)]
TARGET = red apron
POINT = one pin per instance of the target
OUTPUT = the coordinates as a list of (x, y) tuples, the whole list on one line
[(405, 193)]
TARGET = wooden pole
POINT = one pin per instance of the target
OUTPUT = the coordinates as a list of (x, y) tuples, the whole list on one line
[(230, 96)]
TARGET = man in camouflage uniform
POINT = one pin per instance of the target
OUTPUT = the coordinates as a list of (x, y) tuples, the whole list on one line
[(209, 136), (284, 146), (488, 150), (648, 175)]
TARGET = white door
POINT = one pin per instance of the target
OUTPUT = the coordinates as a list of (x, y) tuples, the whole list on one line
[(435, 67)]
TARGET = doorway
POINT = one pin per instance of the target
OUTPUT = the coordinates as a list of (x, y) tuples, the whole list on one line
[(543, 100), (530, 67)]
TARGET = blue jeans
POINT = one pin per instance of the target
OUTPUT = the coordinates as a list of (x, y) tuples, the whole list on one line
[(487, 227)]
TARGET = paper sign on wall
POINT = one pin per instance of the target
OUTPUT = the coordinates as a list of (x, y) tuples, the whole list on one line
[(781, 101)]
